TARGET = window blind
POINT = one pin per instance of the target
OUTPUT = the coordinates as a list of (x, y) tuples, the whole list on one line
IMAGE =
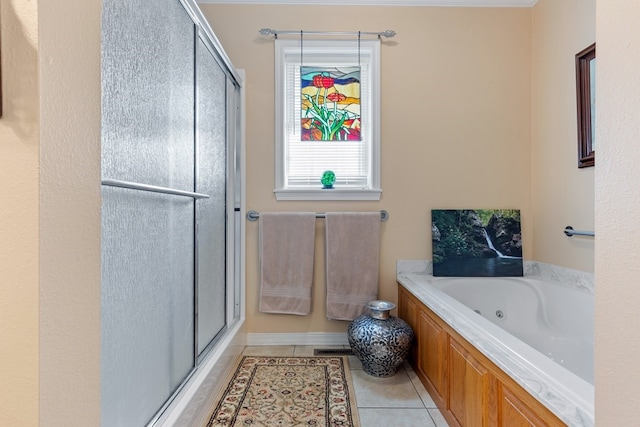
[(305, 161)]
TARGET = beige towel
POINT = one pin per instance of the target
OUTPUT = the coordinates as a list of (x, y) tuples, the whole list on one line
[(287, 243), (353, 247)]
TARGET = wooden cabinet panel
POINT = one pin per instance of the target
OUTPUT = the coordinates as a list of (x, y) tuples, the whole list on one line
[(514, 413), (408, 311), (468, 387), (432, 355), (517, 408), (407, 308)]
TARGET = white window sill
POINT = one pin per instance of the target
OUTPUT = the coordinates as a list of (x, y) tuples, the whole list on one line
[(329, 194)]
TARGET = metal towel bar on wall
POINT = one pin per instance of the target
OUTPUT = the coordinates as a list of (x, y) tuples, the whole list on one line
[(254, 215), (569, 231)]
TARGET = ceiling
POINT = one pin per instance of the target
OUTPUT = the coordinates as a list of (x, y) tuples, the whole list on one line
[(451, 3)]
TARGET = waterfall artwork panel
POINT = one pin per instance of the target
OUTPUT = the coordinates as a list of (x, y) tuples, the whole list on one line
[(330, 103), (476, 242)]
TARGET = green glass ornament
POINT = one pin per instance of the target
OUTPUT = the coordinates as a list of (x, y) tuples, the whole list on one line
[(328, 178)]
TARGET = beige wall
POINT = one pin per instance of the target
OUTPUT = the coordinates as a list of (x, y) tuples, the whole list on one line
[(50, 210), (456, 111), (561, 193), (69, 49), (19, 133), (69, 276), (617, 220)]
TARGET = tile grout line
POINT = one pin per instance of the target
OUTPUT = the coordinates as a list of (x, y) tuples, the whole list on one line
[(404, 368)]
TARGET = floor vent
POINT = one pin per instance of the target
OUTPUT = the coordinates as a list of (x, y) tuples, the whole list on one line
[(332, 352)]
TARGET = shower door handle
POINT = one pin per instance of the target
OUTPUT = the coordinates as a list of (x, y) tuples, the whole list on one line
[(153, 188)]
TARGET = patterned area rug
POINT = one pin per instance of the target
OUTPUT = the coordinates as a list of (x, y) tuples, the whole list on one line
[(288, 391)]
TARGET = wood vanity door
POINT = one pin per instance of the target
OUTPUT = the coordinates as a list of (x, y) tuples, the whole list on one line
[(432, 357), (469, 382), (516, 408), (408, 311), (514, 413)]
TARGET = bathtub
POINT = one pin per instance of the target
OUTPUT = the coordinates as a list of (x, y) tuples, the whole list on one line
[(537, 331)]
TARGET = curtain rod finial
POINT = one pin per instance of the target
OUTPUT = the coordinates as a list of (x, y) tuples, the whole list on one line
[(266, 31)]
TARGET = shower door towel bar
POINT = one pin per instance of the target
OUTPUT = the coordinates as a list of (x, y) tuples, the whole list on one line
[(152, 188), (254, 215), (569, 231)]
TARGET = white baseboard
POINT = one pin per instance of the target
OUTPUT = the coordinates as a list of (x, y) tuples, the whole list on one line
[(300, 338)]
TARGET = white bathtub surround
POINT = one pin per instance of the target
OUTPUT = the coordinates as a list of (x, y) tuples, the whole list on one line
[(567, 395), (554, 273), (413, 266), (567, 276)]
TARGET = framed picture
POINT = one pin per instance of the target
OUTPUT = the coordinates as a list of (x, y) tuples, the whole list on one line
[(586, 97), (476, 242)]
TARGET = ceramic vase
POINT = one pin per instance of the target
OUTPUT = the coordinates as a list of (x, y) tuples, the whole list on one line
[(381, 341)]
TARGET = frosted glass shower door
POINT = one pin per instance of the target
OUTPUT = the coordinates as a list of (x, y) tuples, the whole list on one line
[(148, 254), (211, 178), (147, 313)]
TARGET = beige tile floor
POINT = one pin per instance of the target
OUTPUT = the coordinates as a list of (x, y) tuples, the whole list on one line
[(399, 401)]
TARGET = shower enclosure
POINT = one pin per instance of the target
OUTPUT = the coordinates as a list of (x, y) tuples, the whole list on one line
[(171, 179)]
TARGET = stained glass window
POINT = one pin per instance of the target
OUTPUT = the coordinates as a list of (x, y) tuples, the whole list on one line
[(330, 103)]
